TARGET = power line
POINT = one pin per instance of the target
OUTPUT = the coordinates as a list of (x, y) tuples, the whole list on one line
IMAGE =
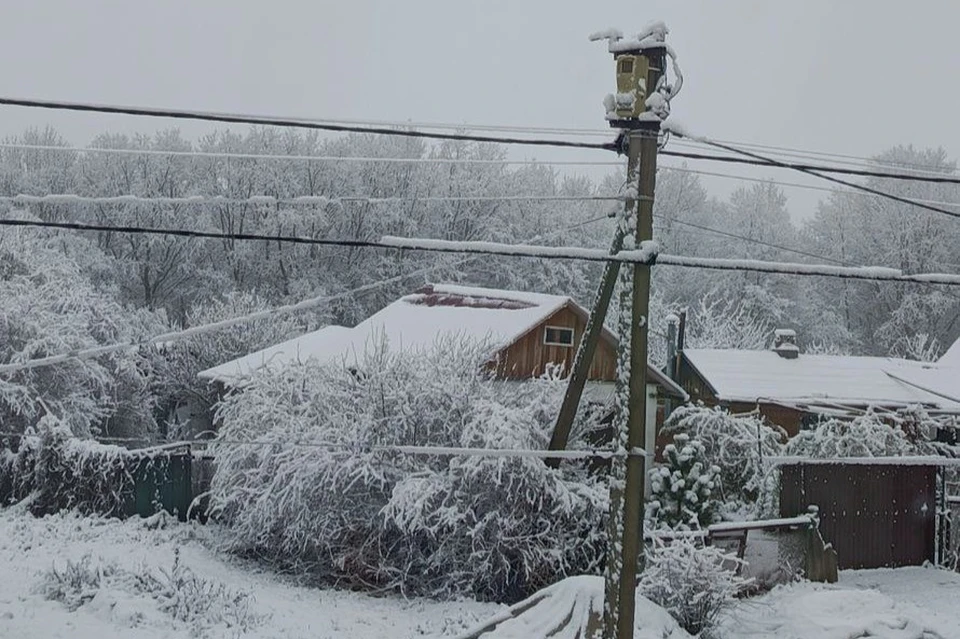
[(232, 118), (642, 255), (409, 450), (810, 187), (853, 185), (305, 200), (419, 160), (861, 273), (759, 160), (646, 254), (305, 158), (751, 240), (851, 160)]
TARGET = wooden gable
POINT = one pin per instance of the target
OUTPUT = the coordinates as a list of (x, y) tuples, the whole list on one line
[(530, 355)]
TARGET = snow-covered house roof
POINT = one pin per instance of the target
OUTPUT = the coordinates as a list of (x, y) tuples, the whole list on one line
[(754, 376), (417, 322)]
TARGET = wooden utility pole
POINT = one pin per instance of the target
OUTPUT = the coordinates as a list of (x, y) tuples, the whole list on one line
[(644, 136), (640, 69)]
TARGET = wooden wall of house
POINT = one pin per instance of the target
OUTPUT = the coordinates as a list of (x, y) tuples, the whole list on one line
[(699, 390), (789, 419), (529, 356)]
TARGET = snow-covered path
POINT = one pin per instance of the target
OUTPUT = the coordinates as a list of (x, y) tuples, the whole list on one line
[(910, 603)]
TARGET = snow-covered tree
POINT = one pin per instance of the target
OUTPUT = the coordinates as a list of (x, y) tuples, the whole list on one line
[(48, 307), (684, 488), (737, 444)]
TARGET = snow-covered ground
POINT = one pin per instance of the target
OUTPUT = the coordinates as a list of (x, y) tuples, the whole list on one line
[(905, 603), (29, 546), (910, 603)]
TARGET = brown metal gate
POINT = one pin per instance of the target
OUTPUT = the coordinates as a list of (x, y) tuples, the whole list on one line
[(875, 515)]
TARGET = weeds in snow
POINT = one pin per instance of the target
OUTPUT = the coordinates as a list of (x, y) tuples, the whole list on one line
[(178, 591), (77, 583)]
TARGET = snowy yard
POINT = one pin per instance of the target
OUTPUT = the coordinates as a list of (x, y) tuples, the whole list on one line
[(888, 604), (29, 546)]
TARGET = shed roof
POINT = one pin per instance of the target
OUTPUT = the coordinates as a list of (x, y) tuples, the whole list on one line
[(754, 375), (416, 323)]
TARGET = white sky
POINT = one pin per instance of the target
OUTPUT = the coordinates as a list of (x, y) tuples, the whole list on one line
[(851, 77)]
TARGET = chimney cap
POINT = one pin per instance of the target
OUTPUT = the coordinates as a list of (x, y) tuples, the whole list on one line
[(785, 343)]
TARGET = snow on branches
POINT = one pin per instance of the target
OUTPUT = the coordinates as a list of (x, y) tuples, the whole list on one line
[(299, 484), (737, 444), (683, 488)]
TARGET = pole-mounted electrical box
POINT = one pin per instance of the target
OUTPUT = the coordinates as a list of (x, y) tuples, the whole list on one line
[(632, 93)]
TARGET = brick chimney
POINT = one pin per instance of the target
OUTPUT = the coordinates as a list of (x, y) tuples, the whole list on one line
[(785, 343)]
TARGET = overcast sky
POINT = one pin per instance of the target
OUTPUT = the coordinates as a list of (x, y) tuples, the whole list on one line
[(855, 77)]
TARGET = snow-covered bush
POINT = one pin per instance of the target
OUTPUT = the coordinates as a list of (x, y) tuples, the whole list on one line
[(52, 470), (694, 583), (683, 489), (497, 529), (737, 444), (196, 600), (55, 471), (314, 492), (867, 435)]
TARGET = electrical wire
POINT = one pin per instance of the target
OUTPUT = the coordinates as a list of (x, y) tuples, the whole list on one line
[(797, 185), (647, 254), (751, 240), (350, 449), (754, 157), (330, 126), (440, 246), (838, 158), (233, 118), (759, 160), (304, 158), (307, 200), (176, 336)]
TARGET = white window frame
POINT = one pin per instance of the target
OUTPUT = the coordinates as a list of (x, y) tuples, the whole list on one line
[(573, 335)]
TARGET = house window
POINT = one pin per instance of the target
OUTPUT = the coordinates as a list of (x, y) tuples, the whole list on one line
[(626, 65), (558, 336)]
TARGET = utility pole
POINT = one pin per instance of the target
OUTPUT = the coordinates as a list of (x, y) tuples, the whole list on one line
[(645, 136), (640, 69)]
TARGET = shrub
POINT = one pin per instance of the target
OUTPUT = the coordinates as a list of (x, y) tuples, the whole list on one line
[(737, 444), (52, 470), (334, 507), (864, 436), (496, 529), (683, 488), (198, 601), (694, 583)]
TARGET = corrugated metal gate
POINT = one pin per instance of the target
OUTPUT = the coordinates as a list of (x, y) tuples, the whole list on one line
[(875, 515)]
